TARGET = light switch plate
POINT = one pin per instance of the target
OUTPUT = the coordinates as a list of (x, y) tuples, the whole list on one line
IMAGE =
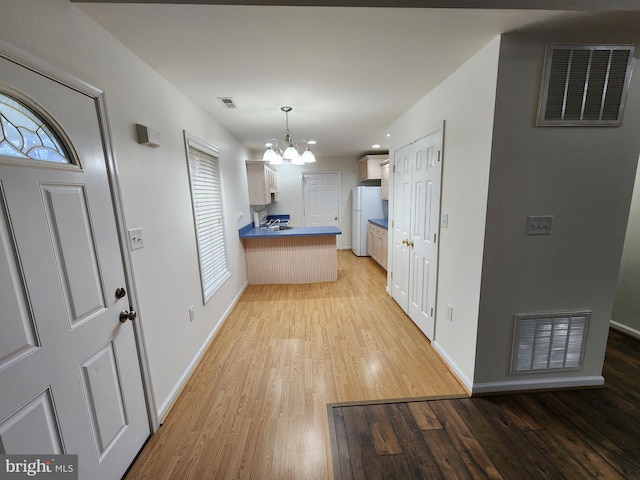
[(539, 225), (135, 239)]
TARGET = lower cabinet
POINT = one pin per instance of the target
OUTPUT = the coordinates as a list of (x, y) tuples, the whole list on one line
[(377, 244)]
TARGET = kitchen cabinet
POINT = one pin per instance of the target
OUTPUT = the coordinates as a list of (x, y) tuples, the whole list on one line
[(369, 167), (377, 244), (263, 183), (384, 180)]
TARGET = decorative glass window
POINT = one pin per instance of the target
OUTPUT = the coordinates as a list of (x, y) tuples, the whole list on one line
[(24, 134)]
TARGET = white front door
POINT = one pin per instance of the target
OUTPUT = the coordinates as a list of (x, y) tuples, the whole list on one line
[(415, 223), (70, 380)]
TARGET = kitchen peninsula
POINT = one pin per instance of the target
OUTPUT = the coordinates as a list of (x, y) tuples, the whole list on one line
[(292, 255)]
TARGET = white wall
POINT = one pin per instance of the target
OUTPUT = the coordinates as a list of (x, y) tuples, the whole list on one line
[(465, 101), (581, 175), (154, 182), (290, 190), (626, 309)]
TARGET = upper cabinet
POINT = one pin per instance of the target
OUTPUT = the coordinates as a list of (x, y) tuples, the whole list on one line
[(384, 179), (263, 183), (369, 167)]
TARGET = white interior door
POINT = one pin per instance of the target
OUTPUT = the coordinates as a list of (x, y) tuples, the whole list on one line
[(415, 229), (321, 192), (70, 381), (401, 227), (425, 208), (321, 197)]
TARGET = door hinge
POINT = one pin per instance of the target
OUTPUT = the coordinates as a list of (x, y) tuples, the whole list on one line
[(390, 274), (392, 223), (435, 236), (438, 155), (394, 169), (431, 314)]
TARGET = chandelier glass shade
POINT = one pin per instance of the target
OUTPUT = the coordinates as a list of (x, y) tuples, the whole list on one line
[(276, 152)]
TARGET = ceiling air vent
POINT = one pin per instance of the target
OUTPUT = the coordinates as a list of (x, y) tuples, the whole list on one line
[(227, 102), (585, 85), (549, 342)]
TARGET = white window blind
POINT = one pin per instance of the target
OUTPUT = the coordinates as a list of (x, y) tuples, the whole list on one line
[(206, 197)]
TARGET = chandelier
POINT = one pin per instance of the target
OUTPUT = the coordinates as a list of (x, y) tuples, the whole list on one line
[(277, 152)]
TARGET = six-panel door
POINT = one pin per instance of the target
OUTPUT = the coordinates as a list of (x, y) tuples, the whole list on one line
[(70, 379)]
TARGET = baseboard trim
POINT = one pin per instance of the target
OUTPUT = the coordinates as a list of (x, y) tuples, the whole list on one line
[(537, 384), (186, 375), (624, 329), (453, 367)]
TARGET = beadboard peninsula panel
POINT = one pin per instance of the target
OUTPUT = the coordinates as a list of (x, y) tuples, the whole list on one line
[(293, 259)]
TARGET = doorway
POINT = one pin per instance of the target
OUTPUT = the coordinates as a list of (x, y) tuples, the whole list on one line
[(71, 380), (417, 183), (321, 199)]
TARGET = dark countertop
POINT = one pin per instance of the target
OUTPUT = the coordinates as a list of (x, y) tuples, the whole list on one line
[(381, 222), (250, 232)]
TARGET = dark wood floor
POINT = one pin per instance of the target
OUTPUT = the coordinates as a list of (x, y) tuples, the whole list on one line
[(570, 434)]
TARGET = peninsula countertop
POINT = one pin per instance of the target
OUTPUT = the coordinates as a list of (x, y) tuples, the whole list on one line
[(251, 232)]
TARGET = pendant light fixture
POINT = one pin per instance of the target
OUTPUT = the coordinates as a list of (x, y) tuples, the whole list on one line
[(277, 152)]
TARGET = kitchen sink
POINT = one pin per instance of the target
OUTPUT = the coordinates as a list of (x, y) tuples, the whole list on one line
[(275, 228), (286, 227)]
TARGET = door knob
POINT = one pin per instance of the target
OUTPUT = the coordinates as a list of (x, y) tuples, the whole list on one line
[(405, 241), (410, 243), (120, 292), (128, 315)]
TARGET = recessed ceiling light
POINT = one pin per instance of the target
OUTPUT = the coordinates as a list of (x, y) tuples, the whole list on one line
[(311, 142), (376, 145), (388, 134)]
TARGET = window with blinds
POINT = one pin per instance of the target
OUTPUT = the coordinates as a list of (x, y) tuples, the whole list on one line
[(206, 198)]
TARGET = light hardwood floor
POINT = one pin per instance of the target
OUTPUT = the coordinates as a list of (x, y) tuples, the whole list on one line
[(256, 406)]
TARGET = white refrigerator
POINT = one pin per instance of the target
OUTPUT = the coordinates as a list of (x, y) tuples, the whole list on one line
[(366, 204)]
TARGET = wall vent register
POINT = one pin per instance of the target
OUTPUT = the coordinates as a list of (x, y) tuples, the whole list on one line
[(549, 342), (585, 85)]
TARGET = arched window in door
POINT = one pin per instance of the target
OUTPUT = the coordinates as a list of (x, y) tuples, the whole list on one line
[(27, 135)]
